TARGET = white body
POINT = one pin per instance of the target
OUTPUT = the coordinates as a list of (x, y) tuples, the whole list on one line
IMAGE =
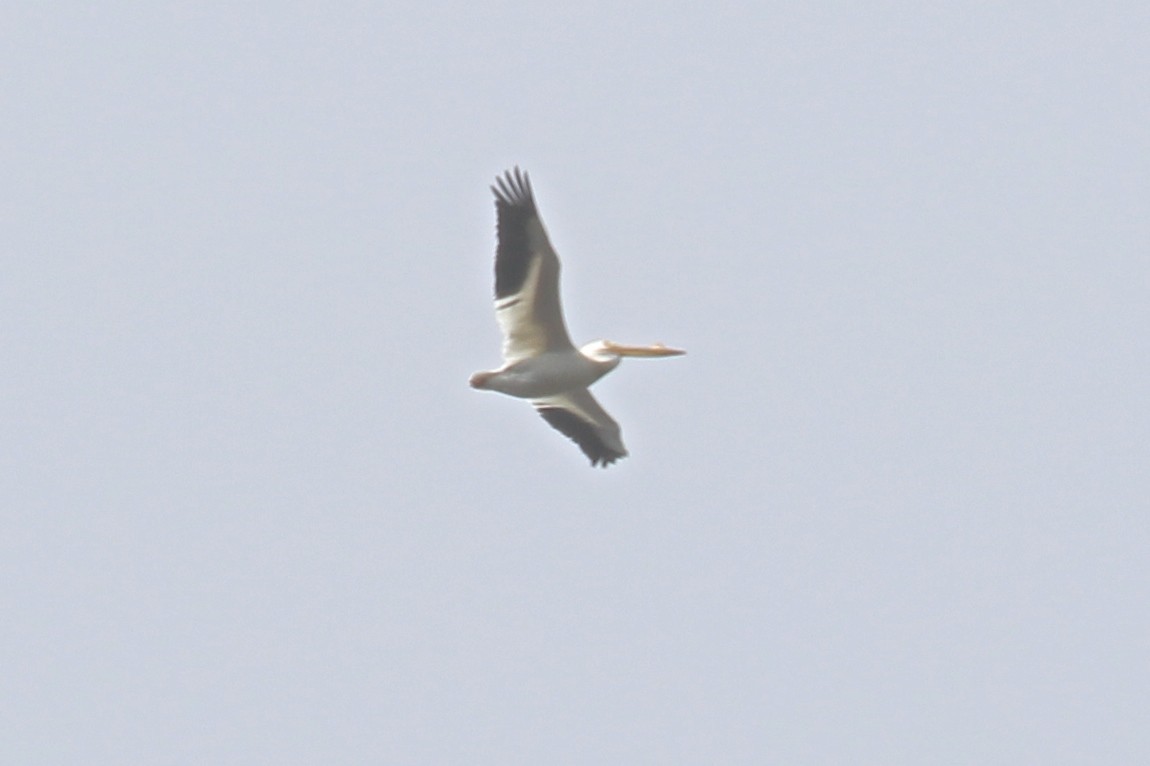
[(548, 374)]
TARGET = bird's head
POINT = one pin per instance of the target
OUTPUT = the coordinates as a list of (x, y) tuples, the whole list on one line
[(608, 351)]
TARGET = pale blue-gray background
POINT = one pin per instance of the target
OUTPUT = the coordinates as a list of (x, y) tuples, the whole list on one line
[(891, 508)]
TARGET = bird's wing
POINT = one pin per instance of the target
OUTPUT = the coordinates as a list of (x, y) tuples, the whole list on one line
[(579, 417), (526, 274)]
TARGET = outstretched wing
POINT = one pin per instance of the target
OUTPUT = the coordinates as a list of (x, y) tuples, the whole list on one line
[(526, 274), (579, 417)]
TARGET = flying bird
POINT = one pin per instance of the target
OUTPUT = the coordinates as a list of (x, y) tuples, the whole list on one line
[(539, 361)]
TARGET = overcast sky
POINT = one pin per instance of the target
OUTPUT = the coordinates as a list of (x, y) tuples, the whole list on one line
[(892, 507)]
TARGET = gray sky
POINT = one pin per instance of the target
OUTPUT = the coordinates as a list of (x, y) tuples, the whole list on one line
[(891, 508)]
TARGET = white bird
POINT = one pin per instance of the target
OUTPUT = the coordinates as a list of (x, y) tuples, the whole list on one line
[(539, 361)]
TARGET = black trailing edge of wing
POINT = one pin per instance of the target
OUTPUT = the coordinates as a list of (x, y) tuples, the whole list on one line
[(515, 210), (582, 433)]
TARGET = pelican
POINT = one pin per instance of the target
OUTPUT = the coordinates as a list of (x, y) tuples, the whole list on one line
[(539, 361)]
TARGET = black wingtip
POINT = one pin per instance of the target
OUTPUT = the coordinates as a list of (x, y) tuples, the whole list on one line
[(513, 189), (515, 211), (583, 434)]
